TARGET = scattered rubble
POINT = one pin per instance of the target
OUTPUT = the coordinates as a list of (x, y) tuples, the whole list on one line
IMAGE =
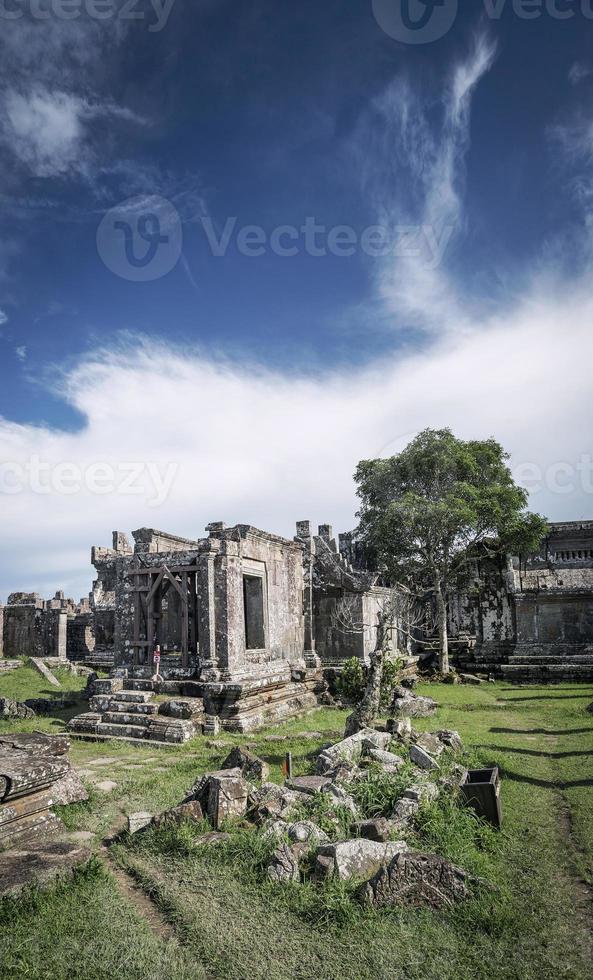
[(252, 767), (289, 815), (10, 709)]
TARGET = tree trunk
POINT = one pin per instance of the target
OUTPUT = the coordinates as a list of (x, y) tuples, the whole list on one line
[(366, 712), (442, 625)]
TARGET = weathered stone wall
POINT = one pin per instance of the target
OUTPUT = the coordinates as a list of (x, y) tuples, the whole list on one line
[(530, 610)]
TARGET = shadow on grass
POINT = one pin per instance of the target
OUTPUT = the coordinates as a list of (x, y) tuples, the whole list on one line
[(517, 777), (545, 697), (541, 731), (517, 750)]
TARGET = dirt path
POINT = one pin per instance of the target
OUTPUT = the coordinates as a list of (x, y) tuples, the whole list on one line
[(132, 892), (582, 891)]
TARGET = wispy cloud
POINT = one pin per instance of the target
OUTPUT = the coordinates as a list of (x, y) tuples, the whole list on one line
[(413, 168)]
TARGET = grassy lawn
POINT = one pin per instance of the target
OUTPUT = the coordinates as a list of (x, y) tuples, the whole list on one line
[(226, 921)]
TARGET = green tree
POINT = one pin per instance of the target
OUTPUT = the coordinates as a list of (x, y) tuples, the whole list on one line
[(425, 511)]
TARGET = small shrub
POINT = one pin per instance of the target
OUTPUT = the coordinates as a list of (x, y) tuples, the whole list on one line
[(352, 681)]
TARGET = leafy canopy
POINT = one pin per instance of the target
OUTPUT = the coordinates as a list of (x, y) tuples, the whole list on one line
[(427, 508)]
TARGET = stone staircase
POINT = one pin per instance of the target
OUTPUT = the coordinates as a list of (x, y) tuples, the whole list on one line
[(130, 710), (527, 663)]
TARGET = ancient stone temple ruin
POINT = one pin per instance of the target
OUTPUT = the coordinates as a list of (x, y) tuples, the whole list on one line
[(235, 627), (58, 628), (239, 629), (530, 617)]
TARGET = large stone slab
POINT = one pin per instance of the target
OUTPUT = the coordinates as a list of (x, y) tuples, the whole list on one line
[(45, 672), (412, 878), (38, 864), (358, 858)]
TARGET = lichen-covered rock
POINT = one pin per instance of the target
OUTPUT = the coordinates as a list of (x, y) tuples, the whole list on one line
[(422, 792), (378, 829), (306, 832), (191, 812), (400, 728), (221, 794), (69, 789), (10, 709), (413, 706), (340, 798), (227, 797), (351, 749), (284, 863), (414, 879), (422, 758), (138, 821), (308, 784), (404, 812), (253, 768), (356, 858), (389, 760), (273, 802), (431, 743), (451, 739)]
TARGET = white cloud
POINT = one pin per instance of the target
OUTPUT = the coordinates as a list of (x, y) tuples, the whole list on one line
[(3, 318), (48, 130), (413, 169), (255, 446), (21, 353), (578, 71)]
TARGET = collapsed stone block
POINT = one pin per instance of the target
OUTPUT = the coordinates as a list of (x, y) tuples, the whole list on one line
[(138, 821), (422, 758), (351, 749), (356, 858), (253, 768), (10, 709), (308, 784), (178, 814), (378, 829), (223, 795), (284, 863), (413, 879), (413, 706), (388, 760)]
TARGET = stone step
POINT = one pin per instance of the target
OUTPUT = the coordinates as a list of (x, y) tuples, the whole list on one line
[(126, 731), (583, 659), (123, 718), (134, 697), (138, 685), (133, 707)]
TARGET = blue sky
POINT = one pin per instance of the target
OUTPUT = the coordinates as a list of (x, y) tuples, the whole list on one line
[(252, 383)]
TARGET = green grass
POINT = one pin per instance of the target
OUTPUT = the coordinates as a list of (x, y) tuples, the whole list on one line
[(25, 682), (534, 923)]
